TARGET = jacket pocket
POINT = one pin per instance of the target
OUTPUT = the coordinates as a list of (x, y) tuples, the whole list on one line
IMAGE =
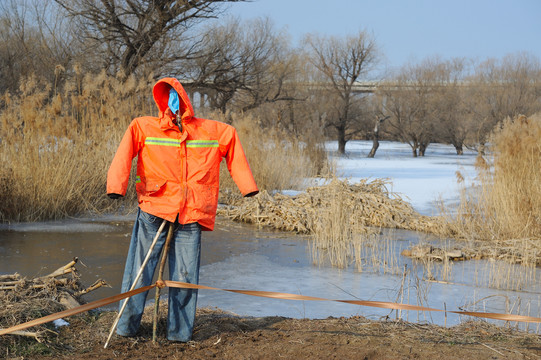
[(150, 187), (208, 199)]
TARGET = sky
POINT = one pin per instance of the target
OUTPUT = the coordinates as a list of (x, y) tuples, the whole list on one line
[(411, 30)]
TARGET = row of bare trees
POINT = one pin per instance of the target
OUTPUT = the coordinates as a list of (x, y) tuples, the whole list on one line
[(233, 66), (456, 101)]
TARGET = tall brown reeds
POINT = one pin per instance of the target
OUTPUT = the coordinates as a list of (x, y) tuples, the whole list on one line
[(344, 220), (505, 204), (346, 225), (56, 146), (279, 161)]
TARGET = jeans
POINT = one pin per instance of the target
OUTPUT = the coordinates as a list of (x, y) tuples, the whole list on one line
[(184, 259)]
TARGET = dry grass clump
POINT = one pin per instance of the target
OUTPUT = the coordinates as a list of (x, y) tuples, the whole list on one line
[(506, 204), (361, 205), (278, 160), (342, 218), (56, 146), (25, 299)]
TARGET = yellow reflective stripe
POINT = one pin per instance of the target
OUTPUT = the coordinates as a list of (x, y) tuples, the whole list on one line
[(202, 143), (176, 142), (162, 141)]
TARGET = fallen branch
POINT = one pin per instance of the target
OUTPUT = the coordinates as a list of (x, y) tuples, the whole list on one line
[(99, 283), (66, 269), (36, 335), (13, 277), (36, 284)]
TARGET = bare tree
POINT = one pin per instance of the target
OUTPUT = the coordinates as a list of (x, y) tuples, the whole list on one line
[(130, 33), (412, 100), (375, 135), (342, 62), (436, 101), (34, 39), (451, 122), (499, 89), (245, 62), (405, 103)]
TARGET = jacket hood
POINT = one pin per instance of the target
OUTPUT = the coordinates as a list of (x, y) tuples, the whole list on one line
[(161, 97)]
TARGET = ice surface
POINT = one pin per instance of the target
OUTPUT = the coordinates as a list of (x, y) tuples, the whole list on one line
[(254, 271), (83, 224), (421, 181)]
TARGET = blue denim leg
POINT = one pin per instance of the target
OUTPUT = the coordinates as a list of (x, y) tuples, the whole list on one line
[(144, 230), (184, 259)]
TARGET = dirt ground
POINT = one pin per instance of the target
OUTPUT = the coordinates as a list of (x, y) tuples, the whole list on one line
[(225, 336)]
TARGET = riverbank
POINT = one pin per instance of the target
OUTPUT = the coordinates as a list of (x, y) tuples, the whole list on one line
[(224, 335)]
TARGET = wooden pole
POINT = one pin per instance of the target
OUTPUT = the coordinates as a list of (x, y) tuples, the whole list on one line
[(160, 278)]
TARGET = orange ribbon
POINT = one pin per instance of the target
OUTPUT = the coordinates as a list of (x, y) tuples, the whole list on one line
[(76, 310), (267, 294), (378, 304)]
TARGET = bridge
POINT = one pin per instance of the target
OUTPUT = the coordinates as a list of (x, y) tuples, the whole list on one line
[(198, 92)]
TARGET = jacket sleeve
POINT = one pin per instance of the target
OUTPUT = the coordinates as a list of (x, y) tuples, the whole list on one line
[(119, 171), (238, 166)]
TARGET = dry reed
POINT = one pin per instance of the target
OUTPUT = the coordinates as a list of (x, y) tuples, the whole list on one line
[(364, 204), (504, 208), (55, 150), (278, 160), (343, 218)]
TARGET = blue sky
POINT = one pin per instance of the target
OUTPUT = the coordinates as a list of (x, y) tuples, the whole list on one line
[(411, 30)]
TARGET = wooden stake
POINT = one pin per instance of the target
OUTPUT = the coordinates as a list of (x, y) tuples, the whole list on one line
[(160, 278)]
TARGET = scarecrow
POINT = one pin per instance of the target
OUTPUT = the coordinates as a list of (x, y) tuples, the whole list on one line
[(178, 166)]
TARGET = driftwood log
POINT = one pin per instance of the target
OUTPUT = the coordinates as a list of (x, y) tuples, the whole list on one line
[(429, 252)]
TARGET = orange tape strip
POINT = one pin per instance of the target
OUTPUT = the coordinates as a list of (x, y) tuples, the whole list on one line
[(268, 294), (76, 310), (378, 304)]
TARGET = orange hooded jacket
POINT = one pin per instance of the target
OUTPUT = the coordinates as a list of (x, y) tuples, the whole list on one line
[(178, 172)]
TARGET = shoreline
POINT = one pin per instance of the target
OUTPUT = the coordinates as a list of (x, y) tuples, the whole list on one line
[(218, 334)]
